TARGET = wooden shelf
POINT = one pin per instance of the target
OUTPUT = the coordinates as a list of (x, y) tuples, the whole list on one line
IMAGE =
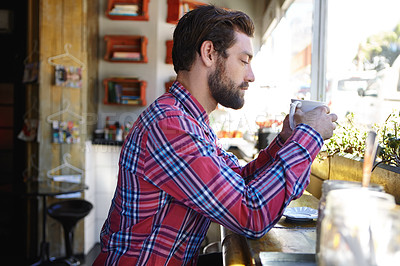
[(177, 8), (128, 9), (168, 58), (126, 49), (124, 91)]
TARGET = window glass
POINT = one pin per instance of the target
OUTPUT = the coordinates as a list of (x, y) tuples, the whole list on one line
[(282, 67), (282, 70), (362, 56)]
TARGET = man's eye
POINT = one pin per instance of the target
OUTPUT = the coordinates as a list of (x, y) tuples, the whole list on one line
[(245, 62)]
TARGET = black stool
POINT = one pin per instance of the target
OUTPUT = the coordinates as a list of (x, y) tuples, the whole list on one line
[(68, 213)]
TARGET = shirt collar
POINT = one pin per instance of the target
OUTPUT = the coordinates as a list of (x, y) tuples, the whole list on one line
[(189, 102)]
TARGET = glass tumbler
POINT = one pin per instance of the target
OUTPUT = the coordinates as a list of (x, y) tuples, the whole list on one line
[(329, 185), (359, 228)]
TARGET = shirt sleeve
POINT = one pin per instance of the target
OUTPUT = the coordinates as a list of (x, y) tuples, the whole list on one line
[(182, 161), (264, 159)]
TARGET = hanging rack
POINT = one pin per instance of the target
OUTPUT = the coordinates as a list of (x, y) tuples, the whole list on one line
[(34, 51), (66, 110), (34, 107), (51, 59), (33, 166), (66, 164)]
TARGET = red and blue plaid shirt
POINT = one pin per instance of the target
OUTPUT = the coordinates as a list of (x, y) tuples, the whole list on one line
[(174, 179)]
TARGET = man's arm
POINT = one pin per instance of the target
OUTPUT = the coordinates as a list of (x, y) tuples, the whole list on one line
[(265, 158), (184, 163)]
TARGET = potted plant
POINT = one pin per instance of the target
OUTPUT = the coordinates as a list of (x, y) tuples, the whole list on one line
[(389, 147), (349, 140), (342, 155)]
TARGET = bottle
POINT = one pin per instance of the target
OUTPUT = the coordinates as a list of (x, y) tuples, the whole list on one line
[(118, 132), (107, 129)]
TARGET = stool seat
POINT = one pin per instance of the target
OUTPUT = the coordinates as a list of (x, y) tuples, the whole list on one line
[(68, 213)]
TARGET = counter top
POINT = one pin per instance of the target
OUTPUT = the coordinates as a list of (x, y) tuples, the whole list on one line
[(107, 142), (53, 188), (286, 240)]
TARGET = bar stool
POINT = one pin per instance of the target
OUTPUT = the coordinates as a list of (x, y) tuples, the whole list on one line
[(68, 213)]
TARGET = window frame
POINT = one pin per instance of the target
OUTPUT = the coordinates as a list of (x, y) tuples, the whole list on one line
[(318, 51)]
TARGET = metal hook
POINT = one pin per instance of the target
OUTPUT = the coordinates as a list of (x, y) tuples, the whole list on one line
[(65, 157), (66, 103), (34, 51), (67, 46)]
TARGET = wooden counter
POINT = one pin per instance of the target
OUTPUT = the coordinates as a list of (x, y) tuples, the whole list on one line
[(287, 239)]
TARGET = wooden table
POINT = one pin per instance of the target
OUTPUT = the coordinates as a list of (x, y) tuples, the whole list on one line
[(287, 241)]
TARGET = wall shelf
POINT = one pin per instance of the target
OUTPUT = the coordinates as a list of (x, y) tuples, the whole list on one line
[(128, 9), (126, 49), (168, 57), (177, 8), (124, 91)]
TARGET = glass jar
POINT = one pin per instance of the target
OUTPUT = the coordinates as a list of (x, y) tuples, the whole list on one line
[(329, 185), (351, 231)]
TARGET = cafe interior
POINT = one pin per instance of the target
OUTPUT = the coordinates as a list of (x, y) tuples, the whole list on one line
[(75, 75)]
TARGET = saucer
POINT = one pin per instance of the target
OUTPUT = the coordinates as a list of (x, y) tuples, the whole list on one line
[(300, 214)]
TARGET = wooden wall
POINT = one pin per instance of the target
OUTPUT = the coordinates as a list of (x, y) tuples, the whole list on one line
[(71, 25)]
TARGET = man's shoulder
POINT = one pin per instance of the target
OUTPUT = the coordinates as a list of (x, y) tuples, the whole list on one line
[(169, 104), (166, 106)]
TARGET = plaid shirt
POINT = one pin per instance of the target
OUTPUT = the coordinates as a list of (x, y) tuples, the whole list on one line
[(174, 179)]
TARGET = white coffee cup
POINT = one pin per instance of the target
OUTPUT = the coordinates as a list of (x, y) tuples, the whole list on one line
[(304, 105)]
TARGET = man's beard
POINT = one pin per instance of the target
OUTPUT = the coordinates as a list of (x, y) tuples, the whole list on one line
[(223, 89)]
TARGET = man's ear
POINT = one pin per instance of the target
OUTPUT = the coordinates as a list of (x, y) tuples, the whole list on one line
[(207, 53)]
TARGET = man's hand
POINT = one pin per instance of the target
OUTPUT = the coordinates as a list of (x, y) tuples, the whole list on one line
[(286, 130), (319, 119)]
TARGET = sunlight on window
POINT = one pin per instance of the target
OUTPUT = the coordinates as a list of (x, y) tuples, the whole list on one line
[(283, 65), (363, 47), (362, 66), (282, 71)]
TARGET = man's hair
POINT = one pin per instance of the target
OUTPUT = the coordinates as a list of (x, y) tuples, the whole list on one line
[(207, 23)]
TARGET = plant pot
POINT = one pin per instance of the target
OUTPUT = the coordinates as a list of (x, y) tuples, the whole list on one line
[(345, 167)]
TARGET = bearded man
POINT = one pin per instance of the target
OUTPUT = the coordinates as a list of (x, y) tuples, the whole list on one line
[(175, 179)]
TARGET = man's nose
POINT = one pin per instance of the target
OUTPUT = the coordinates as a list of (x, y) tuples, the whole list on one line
[(250, 75)]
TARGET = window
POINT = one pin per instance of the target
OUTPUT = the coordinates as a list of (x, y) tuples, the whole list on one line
[(362, 58), (282, 67), (345, 53), (352, 62)]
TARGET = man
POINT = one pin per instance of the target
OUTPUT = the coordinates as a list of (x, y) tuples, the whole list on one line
[(174, 178)]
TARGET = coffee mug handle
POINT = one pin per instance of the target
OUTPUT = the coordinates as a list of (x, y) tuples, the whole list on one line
[(293, 107)]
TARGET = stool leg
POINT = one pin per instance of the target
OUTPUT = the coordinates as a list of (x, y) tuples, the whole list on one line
[(69, 240)]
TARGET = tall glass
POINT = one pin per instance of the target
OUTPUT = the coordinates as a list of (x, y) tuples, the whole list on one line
[(329, 185), (360, 227)]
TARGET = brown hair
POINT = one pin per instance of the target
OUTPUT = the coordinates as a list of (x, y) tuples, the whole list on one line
[(207, 23)]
